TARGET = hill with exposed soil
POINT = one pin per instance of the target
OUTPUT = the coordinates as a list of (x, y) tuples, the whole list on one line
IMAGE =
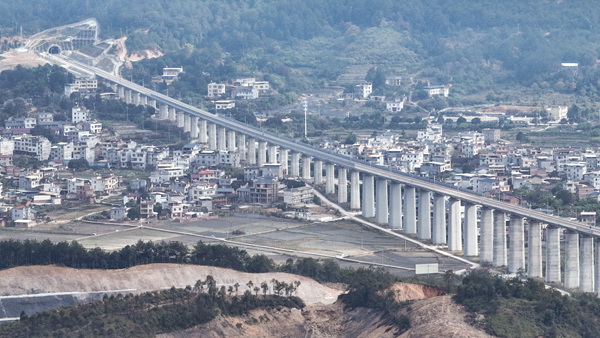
[(431, 312)]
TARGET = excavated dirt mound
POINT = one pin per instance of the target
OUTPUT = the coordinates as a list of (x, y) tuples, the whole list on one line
[(440, 317), (431, 315), (314, 321), (406, 291), (53, 279)]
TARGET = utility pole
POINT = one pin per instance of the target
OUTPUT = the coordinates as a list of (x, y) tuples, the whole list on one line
[(305, 118)]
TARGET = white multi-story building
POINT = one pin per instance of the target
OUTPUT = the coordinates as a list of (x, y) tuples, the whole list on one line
[(79, 114), (21, 213), (73, 183), (363, 90), (7, 146), (45, 118), (62, 151), (594, 178), (575, 171), (301, 195), (483, 184), (37, 146), (557, 113), (29, 182), (24, 122), (215, 89), (438, 90), (166, 174), (199, 190), (224, 104), (395, 106), (92, 127), (433, 134)]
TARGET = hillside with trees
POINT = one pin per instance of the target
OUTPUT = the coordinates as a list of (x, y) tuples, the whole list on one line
[(517, 308), (471, 44)]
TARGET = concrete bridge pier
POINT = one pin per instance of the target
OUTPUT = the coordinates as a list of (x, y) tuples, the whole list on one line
[(586, 270), (171, 114), (354, 189), (251, 151), (136, 98), (283, 159), (454, 225), (395, 205), (553, 274), (381, 203), (499, 239), (368, 196), (516, 257), (424, 224), (163, 111), (231, 140), (342, 185), (306, 160), (128, 96), (410, 210), (439, 219), (221, 139), (262, 153), (487, 236), (151, 103), (470, 230), (144, 100), (272, 154), (203, 133), (121, 92), (295, 165), (241, 146), (187, 123), (318, 172), (597, 266), (571, 259), (329, 179), (534, 250), (212, 136), (180, 119), (194, 132)]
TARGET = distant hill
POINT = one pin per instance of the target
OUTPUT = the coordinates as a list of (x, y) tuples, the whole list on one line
[(476, 45)]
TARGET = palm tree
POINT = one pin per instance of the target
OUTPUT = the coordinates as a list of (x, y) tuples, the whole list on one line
[(236, 286)]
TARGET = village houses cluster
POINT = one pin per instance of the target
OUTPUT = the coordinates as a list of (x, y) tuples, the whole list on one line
[(192, 181), (499, 166)]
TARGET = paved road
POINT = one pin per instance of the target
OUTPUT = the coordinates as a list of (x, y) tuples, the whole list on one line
[(417, 182)]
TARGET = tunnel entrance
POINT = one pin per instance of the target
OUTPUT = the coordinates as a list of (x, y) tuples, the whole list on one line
[(54, 50)]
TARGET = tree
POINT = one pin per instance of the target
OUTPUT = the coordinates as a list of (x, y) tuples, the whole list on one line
[(134, 213), (461, 120), (79, 164), (521, 137), (476, 120), (351, 139)]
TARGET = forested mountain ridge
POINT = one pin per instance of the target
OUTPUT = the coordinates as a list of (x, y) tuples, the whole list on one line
[(472, 44)]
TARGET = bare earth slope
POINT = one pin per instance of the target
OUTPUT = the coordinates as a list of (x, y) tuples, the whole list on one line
[(53, 279), (316, 320), (431, 315)]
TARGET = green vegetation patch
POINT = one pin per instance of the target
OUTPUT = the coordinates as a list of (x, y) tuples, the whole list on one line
[(143, 315), (516, 308)]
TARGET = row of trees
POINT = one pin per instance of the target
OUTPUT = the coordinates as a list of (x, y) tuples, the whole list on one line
[(142, 315), (364, 284)]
